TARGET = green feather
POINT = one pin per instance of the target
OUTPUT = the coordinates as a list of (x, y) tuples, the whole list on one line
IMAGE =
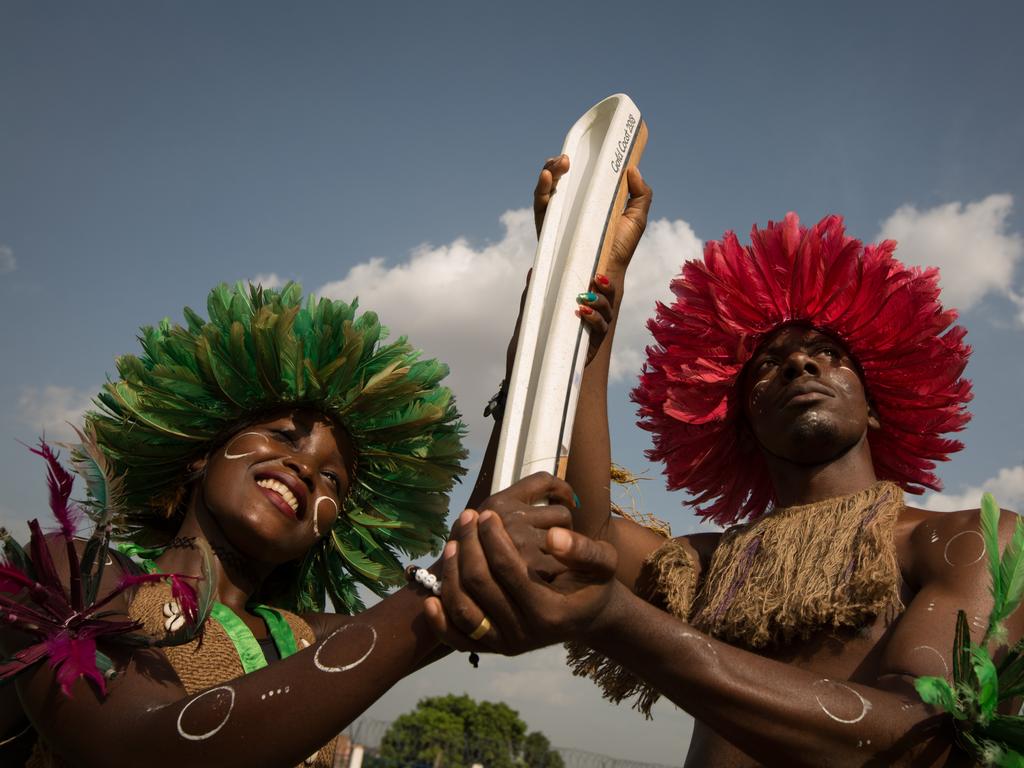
[(1012, 571), (988, 682), (939, 693), (194, 384), (990, 533)]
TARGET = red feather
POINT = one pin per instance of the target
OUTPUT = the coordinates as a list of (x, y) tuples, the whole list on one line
[(888, 315)]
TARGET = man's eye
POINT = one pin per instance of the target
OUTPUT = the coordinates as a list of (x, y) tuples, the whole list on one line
[(282, 435), (830, 352), (766, 365)]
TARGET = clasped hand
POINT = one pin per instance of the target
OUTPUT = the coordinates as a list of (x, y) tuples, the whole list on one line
[(535, 580)]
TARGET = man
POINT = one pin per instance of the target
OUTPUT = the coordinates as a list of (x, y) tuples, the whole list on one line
[(800, 384)]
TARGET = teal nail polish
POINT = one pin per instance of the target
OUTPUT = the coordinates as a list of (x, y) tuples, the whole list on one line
[(586, 298), (576, 501)]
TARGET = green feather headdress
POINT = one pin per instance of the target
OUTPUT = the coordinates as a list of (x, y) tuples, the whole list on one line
[(193, 386)]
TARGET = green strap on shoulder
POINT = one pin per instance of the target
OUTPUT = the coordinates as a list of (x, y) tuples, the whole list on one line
[(246, 645), (280, 629)]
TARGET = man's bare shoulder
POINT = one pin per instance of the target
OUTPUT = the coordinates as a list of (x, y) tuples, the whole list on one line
[(935, 545)]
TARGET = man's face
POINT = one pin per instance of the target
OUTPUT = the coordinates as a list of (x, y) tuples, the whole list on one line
[(803, 397), (276, 486)]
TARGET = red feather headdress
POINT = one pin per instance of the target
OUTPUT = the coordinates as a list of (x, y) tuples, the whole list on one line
[(888, 315)]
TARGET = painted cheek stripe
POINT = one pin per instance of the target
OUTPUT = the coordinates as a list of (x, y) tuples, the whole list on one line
[(228, 455), (316, 512)]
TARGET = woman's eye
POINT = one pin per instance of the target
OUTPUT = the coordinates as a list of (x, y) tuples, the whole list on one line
[(766, 365), (830, 352), (334, 480), (283, 436)]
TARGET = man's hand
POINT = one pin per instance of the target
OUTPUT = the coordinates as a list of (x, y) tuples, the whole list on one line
[(484, 574)]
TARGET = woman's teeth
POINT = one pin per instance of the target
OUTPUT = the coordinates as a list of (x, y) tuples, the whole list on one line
[(282, 490)]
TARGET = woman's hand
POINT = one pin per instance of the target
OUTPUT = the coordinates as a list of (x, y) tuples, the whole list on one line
[(631, 225)]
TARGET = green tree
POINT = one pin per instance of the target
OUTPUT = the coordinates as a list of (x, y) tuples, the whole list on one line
[(537, 752), (456, 732)]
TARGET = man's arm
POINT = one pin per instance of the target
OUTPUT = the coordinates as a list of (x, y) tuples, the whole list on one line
[(777, 713)]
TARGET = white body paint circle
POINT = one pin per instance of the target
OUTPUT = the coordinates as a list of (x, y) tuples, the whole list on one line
[(352, 665), (864, 703), (208, 734), (945, 552), (227, 448), (942, 658)]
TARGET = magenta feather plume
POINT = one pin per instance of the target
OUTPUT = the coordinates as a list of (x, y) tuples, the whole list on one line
[(35, 600), (60, 482), (73, 655)]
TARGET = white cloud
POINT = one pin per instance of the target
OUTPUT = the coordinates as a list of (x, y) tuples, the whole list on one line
[(267, 280), (1007, 487), (659, 258), (7, 261), (969, 243), (50, 409), (539, 676), (458, 302)]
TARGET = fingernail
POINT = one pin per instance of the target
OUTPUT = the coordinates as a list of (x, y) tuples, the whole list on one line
[(583, 309), (575, 500), (484, 516), (586, 298), (467, 516), (560, 539), (450, 549), (602, 279)]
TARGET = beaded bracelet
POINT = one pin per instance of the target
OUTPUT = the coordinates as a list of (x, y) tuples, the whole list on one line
[(424, 578)]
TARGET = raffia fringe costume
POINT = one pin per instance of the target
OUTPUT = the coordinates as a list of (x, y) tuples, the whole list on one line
[(793, 572)]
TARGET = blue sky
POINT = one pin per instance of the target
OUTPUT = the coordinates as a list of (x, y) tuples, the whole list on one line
[(149, 150)]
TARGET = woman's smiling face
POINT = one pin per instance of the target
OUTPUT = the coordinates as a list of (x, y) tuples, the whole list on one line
[(277, 485)]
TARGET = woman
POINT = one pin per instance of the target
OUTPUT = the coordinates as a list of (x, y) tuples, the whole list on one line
[(269, 455)]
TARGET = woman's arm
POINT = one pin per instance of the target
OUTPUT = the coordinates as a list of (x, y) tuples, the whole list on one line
[(276, 716), (590, 458)]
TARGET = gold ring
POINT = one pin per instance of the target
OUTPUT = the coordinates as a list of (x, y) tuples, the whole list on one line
[(482, 629)]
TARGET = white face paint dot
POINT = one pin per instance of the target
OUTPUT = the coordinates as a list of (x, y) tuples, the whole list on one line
[(967, 552), (223, 698), (844, 711), (370, 641)]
